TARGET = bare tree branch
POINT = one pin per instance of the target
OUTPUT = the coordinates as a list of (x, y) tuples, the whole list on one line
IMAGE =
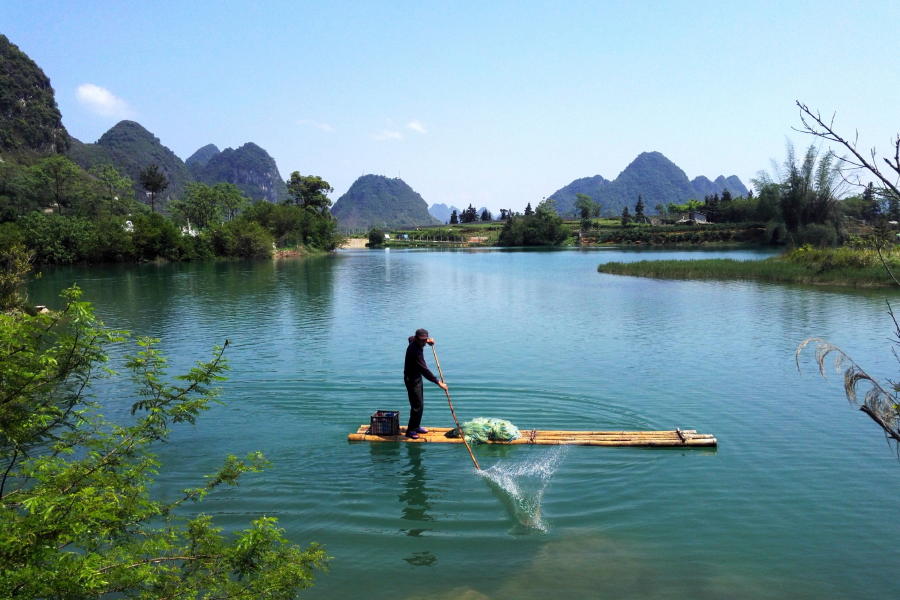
[(819, 128)]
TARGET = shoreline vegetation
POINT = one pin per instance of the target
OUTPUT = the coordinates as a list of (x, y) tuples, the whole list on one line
[(604, 232), (843, 267)]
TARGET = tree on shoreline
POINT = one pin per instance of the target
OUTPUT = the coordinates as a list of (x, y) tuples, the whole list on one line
[(542, 228), (310, 191)]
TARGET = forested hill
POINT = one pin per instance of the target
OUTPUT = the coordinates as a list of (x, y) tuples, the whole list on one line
[(592, 186), (378, 201), (656, 178), (130, 147), (198, 159), (30, 120), (250, 168), (704, 187)]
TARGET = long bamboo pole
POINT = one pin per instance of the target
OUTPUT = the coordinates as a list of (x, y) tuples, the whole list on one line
[(453, 412)]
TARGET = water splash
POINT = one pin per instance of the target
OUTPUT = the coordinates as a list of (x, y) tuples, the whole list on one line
[(521, 485)]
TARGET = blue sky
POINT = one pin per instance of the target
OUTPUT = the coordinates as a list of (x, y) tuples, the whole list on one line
[(494, 103)]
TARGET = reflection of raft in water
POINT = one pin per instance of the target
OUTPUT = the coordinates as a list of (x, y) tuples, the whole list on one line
[(441, 435)]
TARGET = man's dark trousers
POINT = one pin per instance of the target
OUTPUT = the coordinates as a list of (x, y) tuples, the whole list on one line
[(416, 402)]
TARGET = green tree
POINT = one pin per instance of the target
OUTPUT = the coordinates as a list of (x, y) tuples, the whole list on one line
[(469, 215), (118, 190), (15, 264), (528, 210), (808, 190), (17, 190), (230, 199), (547, 207), (376, 238), (871, 208), (454, 219), (292, 225), (639, 210), (154, 181), (59, 176), (79, 517), (200, 205), (585, 205), (486, 215), (309, 191), (893, 209), (241, 238), (661, 210), (544, 227), (711, 207), (626, 217)]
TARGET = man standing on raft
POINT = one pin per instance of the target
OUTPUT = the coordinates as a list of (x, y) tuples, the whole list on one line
[(414, 368)]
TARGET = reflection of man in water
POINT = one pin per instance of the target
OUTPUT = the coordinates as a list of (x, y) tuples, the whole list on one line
[(414, 368), (418, 502), (414, 494)]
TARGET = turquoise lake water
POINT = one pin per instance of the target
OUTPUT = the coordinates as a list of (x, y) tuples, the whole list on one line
[(798, 501)]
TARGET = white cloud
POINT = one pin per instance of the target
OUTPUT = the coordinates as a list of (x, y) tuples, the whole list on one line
[(416, 125), (102, 102), (316, 124), (387, 134)]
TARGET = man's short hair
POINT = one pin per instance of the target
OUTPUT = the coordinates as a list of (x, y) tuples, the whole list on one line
[(422, 333)]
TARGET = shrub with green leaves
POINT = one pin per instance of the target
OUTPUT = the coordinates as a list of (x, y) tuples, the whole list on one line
[(242, 239), (376, 238), (78, 518), (543, 228)]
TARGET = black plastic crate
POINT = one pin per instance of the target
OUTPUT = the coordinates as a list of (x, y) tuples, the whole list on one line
[(385, 422)]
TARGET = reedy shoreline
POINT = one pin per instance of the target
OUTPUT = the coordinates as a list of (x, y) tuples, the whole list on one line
[(844, 267)]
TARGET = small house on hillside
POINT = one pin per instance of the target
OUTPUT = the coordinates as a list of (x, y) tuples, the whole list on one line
[(693, 218)]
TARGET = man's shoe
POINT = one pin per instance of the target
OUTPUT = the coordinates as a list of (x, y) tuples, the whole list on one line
[(412, 436), (421, 430)]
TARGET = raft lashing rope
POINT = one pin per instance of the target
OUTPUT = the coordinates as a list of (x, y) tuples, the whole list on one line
[(481, 430)]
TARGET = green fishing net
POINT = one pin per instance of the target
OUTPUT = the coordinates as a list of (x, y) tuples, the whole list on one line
[(481, 430)]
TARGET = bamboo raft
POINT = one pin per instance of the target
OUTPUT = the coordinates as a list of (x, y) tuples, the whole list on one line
[(678, 437)]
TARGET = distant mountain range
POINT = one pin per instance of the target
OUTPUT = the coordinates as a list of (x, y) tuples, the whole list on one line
[(250, 168), (31, 123), (130, 147), (379, 201), (442, 212), (656, 178)]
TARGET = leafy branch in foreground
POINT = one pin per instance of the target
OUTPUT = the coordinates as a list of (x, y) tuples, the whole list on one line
[(882, 405), (77, 516)]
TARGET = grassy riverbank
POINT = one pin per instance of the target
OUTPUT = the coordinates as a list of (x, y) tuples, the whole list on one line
[(835, 267)]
